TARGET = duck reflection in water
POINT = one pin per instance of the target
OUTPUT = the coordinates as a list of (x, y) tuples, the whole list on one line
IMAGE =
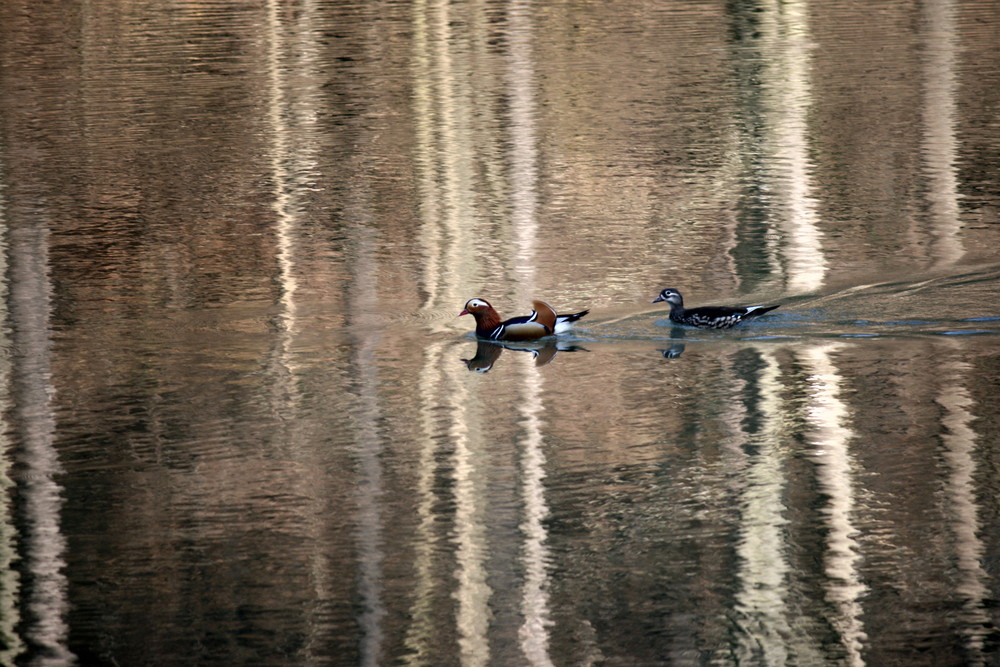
[(544, 351), (675, 350)]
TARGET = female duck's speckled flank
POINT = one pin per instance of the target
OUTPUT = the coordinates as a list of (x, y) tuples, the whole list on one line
[(707, 317)]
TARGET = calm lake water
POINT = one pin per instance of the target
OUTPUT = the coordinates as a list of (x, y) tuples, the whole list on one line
[(243, 426)]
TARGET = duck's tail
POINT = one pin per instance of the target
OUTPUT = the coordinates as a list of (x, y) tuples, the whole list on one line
[(565, 322), (754, 311)]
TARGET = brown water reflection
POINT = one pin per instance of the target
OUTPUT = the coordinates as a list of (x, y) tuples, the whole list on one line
[(240, 422)]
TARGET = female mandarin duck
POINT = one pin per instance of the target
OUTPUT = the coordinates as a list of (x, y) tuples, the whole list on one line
[(542, 322), (707, 317)]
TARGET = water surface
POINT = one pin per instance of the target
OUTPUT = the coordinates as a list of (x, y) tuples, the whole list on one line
[(242, 424)]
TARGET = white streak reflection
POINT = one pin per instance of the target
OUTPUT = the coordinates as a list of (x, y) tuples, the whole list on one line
[(423, 627), (439, 286), (534, 631), (940, 146), (959, 439), (425, 120), (368, 453), (806, 265), (829, 436), (43, 541), (291, 122), (442, 104), (443, 100), (286, 223), (442, 117), (293, 163), (785, 26), (11, 644), (761, 607), (473, 593), (524, 151)]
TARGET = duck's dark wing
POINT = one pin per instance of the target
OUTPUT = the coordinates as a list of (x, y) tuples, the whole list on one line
[(716, 311)]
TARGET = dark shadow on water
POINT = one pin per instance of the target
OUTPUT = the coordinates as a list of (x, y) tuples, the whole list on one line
[(543, 351)]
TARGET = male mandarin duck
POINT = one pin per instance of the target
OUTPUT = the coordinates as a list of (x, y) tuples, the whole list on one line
[(543, 321), (707, 317)]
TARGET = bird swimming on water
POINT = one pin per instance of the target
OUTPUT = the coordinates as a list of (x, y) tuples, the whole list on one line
[(543, 321), (708, 317)]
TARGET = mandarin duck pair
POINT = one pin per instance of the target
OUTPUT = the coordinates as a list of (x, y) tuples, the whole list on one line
[(544, 321)]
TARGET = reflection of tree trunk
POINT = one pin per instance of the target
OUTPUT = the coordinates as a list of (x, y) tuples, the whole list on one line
[(368, 437), (368, 447), (534, 632), (471, 544), (959, 439), (43, 542), (521, 126), (423, 627), (291, 113), (790, 72), (446, 159), (444, 163), (770, 629), (776, 78), (763, 568), (434, 381), (11, 644), (829, 437), (939, 146)]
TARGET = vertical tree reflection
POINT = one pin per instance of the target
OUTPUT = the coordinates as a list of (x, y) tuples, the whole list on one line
[(43, 544), (829, 437), (769, 604), (11, 644), (775, 72), (534, 631), (960, 494), (444, 160), (940, 145), (292, 104), (762, 608)]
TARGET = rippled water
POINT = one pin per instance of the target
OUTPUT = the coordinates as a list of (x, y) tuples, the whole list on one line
[(242, 424)]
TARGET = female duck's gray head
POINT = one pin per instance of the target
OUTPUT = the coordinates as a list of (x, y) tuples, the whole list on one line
[(671, 296)]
